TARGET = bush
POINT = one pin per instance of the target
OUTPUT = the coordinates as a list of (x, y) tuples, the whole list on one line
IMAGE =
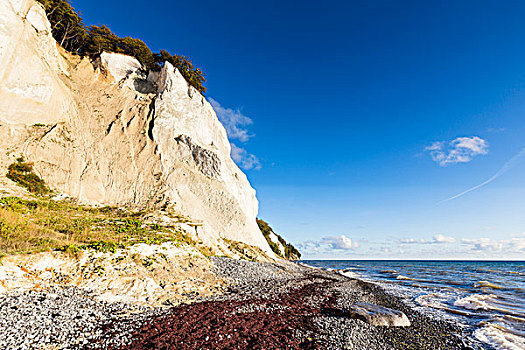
[(71, 33), (290, 252), (193, 76), (22, 173), (101, 38)]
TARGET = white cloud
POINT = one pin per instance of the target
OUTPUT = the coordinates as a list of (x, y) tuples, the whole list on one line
[(412, 241), (328, 244), (339, 242), (234, 121), (245, 160), (437, 239), (460, 150), (515, 244), (443, 239), (308, 247), (518, 243), (483, 244)]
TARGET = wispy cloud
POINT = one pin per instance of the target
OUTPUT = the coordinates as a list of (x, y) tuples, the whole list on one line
[(480, 244), (385, 249), (511, 163), (245, 160), (495, 130), (236, 125), (437, 239), (234, 121), (328, 244), (514, 244), (459, 150), (412, 241)]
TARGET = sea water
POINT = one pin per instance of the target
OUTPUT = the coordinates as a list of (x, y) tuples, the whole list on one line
[(487, 297)]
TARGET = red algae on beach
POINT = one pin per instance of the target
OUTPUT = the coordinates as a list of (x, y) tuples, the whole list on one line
[(276, 306), (241, 324)]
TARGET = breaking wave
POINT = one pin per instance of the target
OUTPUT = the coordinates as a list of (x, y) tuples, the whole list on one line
[(488, 298), (500, 337)]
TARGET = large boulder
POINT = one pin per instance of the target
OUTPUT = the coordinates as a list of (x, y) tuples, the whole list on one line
[(378, 315)]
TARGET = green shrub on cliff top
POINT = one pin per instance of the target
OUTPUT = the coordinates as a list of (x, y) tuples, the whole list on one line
[(71, 33), (101, 38), (194, 76), (66, 25)]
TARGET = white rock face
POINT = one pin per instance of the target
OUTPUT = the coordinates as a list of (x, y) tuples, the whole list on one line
[(114, 136), (29, 66), (119, 65), (275, 240), (186, 129)]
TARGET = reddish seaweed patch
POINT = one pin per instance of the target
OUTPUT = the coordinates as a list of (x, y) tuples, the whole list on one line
[(246, 324)]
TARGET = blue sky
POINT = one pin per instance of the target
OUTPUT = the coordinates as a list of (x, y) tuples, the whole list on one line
[(355, 120)]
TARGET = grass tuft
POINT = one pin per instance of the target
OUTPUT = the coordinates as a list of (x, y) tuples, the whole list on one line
[(28, 226)]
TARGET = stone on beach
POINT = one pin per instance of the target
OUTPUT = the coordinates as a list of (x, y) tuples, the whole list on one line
[(378, 315)]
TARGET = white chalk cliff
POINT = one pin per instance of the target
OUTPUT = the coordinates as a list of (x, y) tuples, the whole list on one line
[(108, 133)]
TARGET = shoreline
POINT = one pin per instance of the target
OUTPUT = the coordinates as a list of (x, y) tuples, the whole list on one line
[(280, 305)]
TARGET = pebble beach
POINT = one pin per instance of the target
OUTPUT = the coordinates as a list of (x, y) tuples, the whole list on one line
[(264, 306)]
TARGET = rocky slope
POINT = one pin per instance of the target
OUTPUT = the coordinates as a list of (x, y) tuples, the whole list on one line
[(109, 133), (149, 275)]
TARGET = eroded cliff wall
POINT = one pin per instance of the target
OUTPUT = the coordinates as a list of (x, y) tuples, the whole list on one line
[(107, 132)]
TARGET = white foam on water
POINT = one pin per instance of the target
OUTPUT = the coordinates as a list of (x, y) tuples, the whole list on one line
[(475, 302), (405, 278), (500, 337), (447, 298), (350, 274), (432, 300), (484, 302), (486, 284), (514, 318)]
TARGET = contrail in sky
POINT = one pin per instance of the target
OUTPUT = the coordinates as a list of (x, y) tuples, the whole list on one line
[(511, 163)]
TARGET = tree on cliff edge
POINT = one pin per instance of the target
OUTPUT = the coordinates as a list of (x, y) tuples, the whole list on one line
[(71, 33), (66, 25)]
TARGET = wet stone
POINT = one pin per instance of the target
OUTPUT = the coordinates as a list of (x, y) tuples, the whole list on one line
[(378, 315)]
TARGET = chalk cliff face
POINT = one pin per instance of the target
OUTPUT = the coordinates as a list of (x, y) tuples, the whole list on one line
[(106, 132)]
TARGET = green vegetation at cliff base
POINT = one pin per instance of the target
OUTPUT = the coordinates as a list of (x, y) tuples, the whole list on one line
[(23, 174), (28, 226), (290, 252)]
